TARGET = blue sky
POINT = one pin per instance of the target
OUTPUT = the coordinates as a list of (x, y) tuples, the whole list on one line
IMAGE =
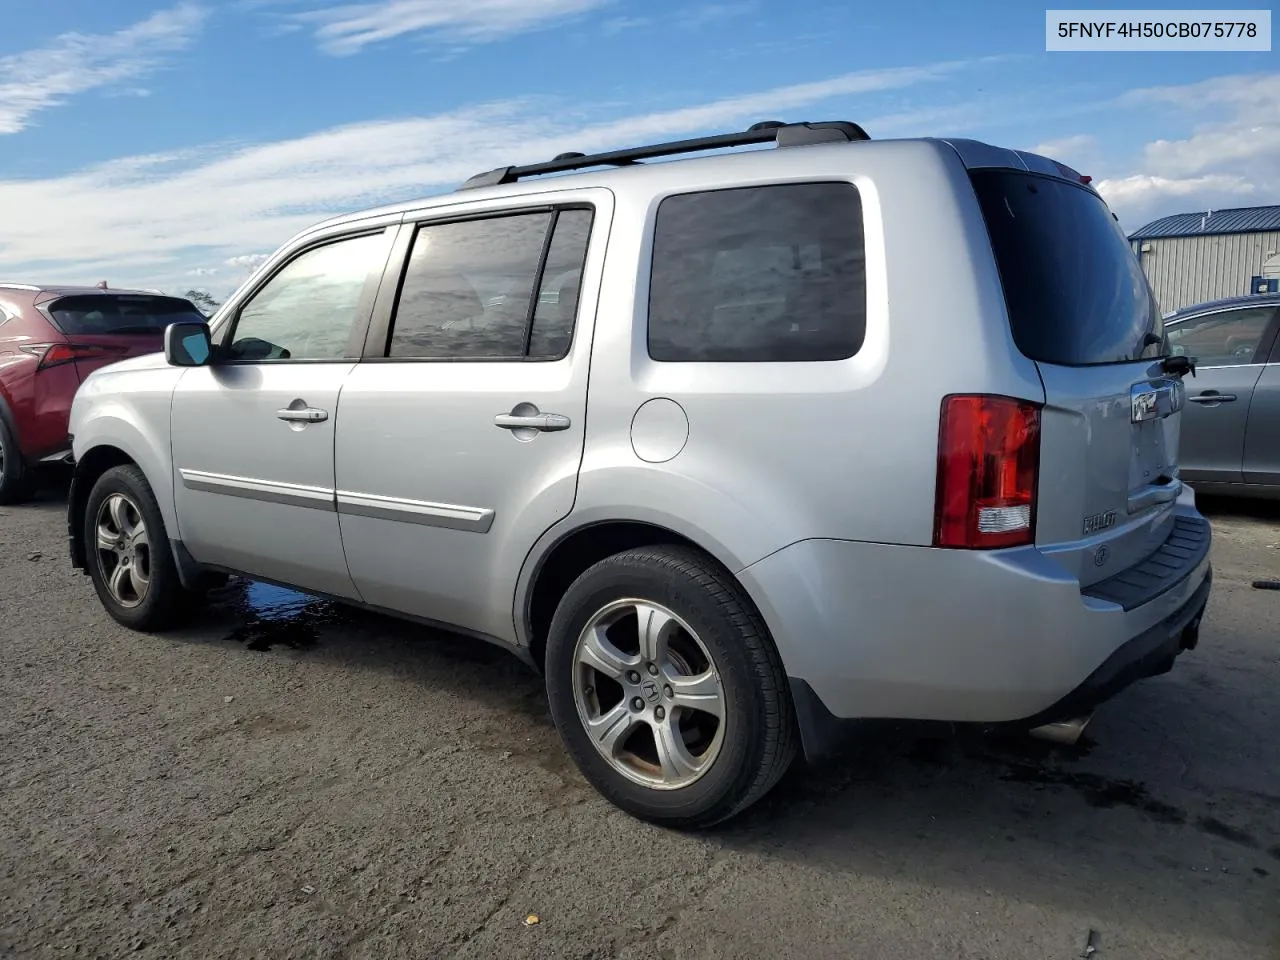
[(172, 144)]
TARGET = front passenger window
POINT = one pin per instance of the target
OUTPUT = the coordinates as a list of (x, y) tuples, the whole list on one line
[(308, 310), (1220, 339)]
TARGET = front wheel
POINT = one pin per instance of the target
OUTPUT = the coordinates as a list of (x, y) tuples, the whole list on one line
[(666, 688), (128, 552)]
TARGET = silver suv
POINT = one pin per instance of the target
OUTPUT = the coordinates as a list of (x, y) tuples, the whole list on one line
[(732, 448)]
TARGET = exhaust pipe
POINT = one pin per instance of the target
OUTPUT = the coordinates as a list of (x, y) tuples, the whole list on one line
[(1063, 731)]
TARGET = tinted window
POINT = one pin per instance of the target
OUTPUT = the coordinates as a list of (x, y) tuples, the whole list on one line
[(1074, 289), (120, 314), (553, 319), (759, 274), (469, 287), (1221, 339), (309, 310)]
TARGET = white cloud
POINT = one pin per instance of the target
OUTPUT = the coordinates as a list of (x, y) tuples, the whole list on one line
[(616, 25), (1144, 189), (76, 63), (149, 219), (1067, 148), (699, 16), (349, 28), (1241, 90), (1231, 158), (203, 272), (247, 261)]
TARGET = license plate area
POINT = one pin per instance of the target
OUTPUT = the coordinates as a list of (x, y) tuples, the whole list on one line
[(1152, 404)]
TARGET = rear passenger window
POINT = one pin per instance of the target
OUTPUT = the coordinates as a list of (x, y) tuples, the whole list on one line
[(759, 274), (501, 288), (561, 282)]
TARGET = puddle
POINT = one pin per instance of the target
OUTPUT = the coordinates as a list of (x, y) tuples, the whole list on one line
[(274, 616)]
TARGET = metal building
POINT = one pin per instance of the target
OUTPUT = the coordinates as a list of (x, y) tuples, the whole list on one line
[(1193, 257)]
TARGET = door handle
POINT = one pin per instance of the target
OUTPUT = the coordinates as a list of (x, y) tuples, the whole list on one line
[(302, 415), (1212, 396), (546, 422)]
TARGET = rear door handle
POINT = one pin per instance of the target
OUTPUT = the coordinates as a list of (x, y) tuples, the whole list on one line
[(1212, 396), (546, 422), (302, 415)]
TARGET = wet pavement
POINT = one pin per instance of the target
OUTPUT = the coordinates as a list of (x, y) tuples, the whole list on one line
[(271, 616), (288, 777)]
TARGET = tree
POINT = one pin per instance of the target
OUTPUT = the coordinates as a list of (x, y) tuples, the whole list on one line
[(203, 300)]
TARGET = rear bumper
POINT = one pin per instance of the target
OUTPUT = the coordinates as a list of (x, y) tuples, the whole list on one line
[(1147, 655), (884, 631)]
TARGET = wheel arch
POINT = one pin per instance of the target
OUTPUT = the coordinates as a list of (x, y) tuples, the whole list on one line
[(6, 414), (93, 464), (566, 551)]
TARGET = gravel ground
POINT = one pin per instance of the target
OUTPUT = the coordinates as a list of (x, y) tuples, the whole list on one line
[(287, 779)]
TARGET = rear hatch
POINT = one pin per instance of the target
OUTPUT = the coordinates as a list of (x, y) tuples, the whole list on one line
[(1080, 306), (103, 328)]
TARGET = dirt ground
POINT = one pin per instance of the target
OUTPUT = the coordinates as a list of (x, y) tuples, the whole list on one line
[(287, 779)]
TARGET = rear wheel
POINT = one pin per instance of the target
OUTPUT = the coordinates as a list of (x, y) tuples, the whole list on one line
[(666, 688), (16, 482), (129, 557)]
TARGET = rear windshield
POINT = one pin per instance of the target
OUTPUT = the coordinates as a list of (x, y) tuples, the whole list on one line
[(120, 313), (1076, 294)]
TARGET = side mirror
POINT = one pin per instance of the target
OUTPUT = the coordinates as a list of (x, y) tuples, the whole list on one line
[(187, 344)]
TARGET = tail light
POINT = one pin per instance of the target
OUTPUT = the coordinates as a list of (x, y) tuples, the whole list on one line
[(55, 354), (988, 462)]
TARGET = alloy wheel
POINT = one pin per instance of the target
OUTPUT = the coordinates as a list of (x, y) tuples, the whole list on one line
[(648, 694), (124, 550)]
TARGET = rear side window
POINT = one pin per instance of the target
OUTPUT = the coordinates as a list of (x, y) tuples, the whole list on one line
[(1075, 292), (759, 274), (120, 314)]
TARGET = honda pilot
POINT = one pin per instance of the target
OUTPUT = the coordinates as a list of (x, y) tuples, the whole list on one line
[(732, 448)]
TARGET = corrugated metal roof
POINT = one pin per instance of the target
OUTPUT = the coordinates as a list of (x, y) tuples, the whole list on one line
[(1208, 222)]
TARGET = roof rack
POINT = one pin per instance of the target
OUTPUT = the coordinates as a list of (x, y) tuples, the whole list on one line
[(767, 131)]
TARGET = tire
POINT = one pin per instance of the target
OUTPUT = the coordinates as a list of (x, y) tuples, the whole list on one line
[(707, 626), (147, 554), (16, 482)]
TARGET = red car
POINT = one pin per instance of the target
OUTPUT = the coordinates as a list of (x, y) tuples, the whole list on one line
[(51, 338)]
